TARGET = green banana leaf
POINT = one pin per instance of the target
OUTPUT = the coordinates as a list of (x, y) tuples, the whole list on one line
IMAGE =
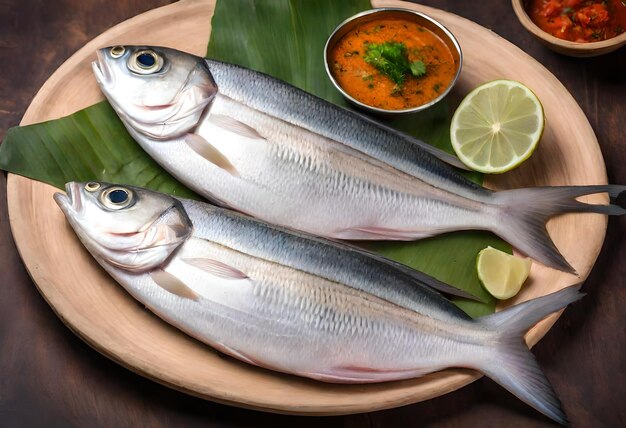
[(91, 144), (284, 38)]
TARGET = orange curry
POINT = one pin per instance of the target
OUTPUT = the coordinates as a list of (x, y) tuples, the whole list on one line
[(367, 84), (579, 20)]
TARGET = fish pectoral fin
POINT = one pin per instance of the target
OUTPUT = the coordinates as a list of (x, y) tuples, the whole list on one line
[(172, 284), (216, 268), (235, 126), (202, 147)]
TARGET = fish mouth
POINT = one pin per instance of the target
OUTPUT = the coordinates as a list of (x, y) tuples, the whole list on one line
[(101, 70), (70, 202)]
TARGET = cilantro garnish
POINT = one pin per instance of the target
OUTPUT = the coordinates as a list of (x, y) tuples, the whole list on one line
[(391, 59)]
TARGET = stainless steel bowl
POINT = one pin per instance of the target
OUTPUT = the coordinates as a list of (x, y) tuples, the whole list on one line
[(384, 13)]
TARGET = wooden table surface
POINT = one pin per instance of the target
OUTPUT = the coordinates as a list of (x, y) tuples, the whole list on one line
[(49, 377)]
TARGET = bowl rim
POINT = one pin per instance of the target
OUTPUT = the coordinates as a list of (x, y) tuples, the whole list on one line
[(529, 25), (379, 110)]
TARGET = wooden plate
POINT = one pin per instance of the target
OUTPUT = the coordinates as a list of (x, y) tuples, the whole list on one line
[(97, 309)]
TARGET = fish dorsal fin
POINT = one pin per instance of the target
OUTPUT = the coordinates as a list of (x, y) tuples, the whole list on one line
[(202, 147), (172, 284), (233, 125), (216, 268)]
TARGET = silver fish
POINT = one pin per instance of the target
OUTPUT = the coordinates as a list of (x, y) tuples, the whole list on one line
[(296, 303), (263, 147)]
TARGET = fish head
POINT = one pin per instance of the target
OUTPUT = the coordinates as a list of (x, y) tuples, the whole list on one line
[(125, 227), (158, 92)]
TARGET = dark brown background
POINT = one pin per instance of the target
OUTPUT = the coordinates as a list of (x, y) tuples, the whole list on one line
[(49, 377)]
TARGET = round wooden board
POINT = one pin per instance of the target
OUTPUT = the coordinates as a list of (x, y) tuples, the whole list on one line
[(97, 309)]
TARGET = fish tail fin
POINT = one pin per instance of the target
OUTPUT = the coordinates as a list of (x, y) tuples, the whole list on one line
[(523, 214), (512, 365)]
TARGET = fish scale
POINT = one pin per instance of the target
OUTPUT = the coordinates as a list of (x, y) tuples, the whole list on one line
[(279, 99), (309, 254)]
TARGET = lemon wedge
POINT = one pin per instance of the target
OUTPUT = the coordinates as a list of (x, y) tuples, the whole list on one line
[(501, 274), (497, 126)]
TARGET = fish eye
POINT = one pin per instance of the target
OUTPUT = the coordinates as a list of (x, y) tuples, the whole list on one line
[(117, 51), (145, 62), (116, 198), (92, 186)]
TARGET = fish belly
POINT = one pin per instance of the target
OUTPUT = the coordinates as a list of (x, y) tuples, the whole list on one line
[(290, 321)]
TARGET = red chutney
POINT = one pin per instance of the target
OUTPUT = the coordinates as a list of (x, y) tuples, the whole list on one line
[(579, 20)]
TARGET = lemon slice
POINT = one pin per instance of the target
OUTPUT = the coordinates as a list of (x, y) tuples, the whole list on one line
[(497, 126), (500, 273)]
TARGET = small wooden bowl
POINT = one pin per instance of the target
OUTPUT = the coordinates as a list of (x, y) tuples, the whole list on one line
[(565, 47)]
